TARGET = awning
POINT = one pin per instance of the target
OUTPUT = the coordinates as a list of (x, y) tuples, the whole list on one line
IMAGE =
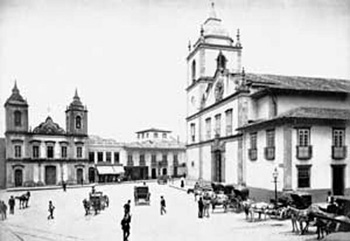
[(104, 170)]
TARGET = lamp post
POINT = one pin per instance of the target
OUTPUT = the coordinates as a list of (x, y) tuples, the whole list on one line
[(275, 176)]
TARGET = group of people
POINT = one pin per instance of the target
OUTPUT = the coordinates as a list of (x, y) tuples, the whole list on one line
[(4, 207)]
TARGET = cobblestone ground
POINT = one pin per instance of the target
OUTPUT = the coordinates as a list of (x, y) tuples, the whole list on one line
[(180, 222)]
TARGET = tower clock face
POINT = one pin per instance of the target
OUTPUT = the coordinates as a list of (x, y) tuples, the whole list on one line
[(219, 90)]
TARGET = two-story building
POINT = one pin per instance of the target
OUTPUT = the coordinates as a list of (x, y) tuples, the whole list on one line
[(242, 127), (48, 154)]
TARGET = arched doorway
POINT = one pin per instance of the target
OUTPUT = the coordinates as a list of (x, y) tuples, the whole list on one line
[(18, 178), (80, 177), (50, 175), (91, 174)]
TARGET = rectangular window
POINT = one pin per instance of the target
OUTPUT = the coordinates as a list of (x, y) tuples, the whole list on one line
[(253, 143), (270, 138), (338, 137), (304, 137), (49, 151), (63, 151), (130, 161), (92, 156), (208, 128), (154, 160), (18, 151), (218, 125), (165, 159), (142, 160), (108, 157), (176, 160), (164, 135), (193, 132), (35, 152), (100, 156), (228, 122), (79, 152), (116, 157), (303, 176), (155, 135)]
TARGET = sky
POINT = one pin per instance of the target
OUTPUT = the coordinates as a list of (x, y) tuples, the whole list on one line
[(127, 59)]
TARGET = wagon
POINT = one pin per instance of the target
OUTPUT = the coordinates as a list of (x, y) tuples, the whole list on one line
[(142, 195), (300, 200), (163, 179), (98, 201)]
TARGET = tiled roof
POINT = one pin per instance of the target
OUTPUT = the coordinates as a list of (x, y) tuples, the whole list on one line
[(299, 83), (154, 130), (306, 113), (318, 113), (173, 144), (97, 140)]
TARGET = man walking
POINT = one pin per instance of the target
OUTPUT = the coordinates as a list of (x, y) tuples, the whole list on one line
[(126, 226), (162, 205), (12, 205), (127, 207), (200, 207), (51, 208)]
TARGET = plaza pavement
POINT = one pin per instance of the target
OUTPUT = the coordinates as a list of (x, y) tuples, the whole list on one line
[(180, 223)]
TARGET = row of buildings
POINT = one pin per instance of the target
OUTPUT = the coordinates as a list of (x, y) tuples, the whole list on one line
[(50, 155), (243, 128)]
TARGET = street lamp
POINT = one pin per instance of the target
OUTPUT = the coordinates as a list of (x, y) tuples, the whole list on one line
[(275, 176)]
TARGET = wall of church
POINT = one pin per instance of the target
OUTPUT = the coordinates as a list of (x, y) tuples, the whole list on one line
[(2, 163), (192, 162), (286, 103), (231, 162), (207, 161)]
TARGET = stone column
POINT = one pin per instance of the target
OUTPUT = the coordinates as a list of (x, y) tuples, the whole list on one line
[(240, 168)]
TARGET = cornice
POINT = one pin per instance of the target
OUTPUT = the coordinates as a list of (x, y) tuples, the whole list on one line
[(212, 46)]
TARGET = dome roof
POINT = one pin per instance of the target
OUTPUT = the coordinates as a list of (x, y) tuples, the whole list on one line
[(48, 127), (16, 98), (213, 25)]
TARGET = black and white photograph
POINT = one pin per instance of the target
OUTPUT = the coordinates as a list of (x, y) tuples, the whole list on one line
[(174, 120)]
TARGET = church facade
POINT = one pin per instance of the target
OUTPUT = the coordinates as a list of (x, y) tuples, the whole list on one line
[(243, 128), (48, 154)]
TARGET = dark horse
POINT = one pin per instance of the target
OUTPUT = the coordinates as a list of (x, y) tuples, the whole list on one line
[(23, 200)]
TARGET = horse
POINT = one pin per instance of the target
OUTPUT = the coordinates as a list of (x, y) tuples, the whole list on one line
[(219, 199), (23, 200), (87, 206), (207, 198), (258, 207)]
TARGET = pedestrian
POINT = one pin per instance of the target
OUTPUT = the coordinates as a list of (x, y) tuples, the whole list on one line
[(64, 186), (12, 204), (182, 182), (200, 207), (329, 197), (127, 207), (86, 207), (162, 205), (4, 209), (125, 223), (51, 208)]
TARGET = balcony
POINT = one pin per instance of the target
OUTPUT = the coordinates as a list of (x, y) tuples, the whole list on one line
[(253, 154), (339, 152), (304, 152), (270, 153)]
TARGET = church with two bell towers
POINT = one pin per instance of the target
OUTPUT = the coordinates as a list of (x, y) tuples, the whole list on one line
[(48, 154)]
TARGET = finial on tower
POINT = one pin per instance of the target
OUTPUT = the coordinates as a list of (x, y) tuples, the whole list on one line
[(189, 45), (15, 89), (238, 38), (212, 13), (202, 30), (76, 94)]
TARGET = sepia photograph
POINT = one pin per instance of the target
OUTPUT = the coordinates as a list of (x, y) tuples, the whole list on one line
[(174, 120)]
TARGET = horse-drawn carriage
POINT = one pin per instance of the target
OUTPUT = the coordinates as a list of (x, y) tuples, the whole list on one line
[(141, 193), (98, 201)]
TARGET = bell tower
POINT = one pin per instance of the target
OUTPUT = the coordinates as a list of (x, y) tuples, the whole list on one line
[(213, 50), (16, 109), (76, 117)]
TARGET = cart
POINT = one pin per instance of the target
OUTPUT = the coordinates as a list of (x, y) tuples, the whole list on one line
[(142, 195)]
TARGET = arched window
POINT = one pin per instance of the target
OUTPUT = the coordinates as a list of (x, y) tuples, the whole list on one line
[(193, 70), (78, 122), (221, 61), (18, 118)]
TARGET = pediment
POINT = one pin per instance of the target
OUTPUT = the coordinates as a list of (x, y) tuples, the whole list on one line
[(48, 127)]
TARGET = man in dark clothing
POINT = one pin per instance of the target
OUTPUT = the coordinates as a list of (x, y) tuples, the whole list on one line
[(126, 226), (162, 205), (12, 205), (127, 207), (51, 208), (64, 185), (200, 207)]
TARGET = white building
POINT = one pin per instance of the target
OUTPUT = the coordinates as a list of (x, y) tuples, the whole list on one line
[(241, 127)]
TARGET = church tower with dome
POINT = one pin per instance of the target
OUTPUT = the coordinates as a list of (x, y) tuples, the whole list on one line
[(76, 117)]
